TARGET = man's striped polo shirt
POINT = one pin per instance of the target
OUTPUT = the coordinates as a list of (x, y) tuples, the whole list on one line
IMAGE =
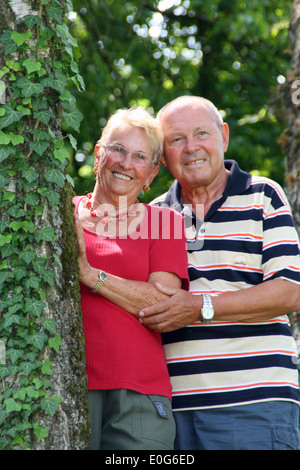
[(247, 237)]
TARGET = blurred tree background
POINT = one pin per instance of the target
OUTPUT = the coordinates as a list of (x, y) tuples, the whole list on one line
[(234, 53)]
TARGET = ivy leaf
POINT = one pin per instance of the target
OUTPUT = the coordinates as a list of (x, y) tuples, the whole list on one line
[(73, 119), (52, 196), (50, 404), (55, 343), (46, 234), (61, 154), (40, 432), (4, 181), (43, 115), (49, 324), (32, 66), (27, 256), (4, 152), (55, 11), (5, 239), (4, 138), (10, 116), (29, 87), (4, 275), (34, 307), (63, 31), (55, 176), (20, 38), (6, 39), (32, 20), (46, 367), (30, 175), (38, 340), (12, 405), (39, 146)]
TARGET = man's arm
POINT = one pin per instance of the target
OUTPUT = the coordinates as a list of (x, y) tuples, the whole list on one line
[(128, 294), (267, 300)]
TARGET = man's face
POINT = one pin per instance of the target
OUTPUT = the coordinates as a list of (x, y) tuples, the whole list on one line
[(194, 144)]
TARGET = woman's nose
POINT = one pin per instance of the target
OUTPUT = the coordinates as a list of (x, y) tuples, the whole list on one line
[(126, 161)]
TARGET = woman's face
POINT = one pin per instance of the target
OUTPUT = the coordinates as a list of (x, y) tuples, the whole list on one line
[(119, 174)]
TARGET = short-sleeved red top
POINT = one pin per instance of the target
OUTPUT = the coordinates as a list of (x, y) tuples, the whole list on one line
[(121, 352)]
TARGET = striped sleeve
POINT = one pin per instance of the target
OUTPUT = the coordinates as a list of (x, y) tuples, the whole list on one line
[(281, 250)]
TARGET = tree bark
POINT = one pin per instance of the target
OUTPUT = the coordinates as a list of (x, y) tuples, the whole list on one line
[(288, 110), (61, 366)]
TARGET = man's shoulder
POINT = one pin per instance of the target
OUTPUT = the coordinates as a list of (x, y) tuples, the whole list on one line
[(159, 200)]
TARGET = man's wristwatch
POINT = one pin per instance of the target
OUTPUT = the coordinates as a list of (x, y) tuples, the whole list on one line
[(207, 310), (102, 278)]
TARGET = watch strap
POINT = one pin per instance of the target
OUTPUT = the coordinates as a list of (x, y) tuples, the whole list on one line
[(102, 278)]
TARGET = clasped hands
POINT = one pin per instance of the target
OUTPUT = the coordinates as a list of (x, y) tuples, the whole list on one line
[(180, 308)]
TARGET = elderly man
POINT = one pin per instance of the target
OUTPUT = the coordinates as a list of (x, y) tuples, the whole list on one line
[(230, 352)]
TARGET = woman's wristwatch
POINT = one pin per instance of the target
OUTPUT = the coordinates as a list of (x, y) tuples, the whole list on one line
[(102, 278)]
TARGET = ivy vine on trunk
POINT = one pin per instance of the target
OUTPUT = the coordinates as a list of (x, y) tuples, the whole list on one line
[(42, 361)]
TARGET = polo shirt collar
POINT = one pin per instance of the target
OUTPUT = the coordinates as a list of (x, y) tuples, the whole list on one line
[(238, 182)]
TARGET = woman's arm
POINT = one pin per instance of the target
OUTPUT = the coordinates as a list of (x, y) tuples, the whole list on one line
[(130, 295)]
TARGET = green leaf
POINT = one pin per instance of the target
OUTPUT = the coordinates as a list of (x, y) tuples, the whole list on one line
[(12, 405), (10, 116), (39, 146), (30, 175), (43, 115), (52, 196), (61, 154), (29, 87), (55, 11), (55, 176), (73, 119), (55, 343), (4, 138), (46, 367), (20, 38), (5, 152), (34, 307), (40, 432), (46, 234), (27, 256), (38, 340), (49, 324), (10, 45), (63, 30), (32, 20), (16, 139), (32, 66), (5, 239), (50, 405)]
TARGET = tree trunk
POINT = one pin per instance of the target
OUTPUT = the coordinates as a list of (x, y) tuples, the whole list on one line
[(289, 112), (43, 391)]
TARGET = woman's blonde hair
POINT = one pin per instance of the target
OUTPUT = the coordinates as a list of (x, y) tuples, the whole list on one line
[(136, 117)]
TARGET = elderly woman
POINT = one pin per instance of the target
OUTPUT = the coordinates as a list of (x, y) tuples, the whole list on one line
[(124, 249)]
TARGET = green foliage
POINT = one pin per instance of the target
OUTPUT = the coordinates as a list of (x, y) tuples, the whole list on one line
[(39, 65), (139, 52)]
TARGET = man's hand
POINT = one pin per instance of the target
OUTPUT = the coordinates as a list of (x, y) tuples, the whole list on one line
[(179, 310)]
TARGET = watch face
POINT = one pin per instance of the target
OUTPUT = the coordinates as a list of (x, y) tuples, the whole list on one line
[(103, 276), (208, 313)]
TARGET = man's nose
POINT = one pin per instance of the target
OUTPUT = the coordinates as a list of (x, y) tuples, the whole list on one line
[(191, 144)]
